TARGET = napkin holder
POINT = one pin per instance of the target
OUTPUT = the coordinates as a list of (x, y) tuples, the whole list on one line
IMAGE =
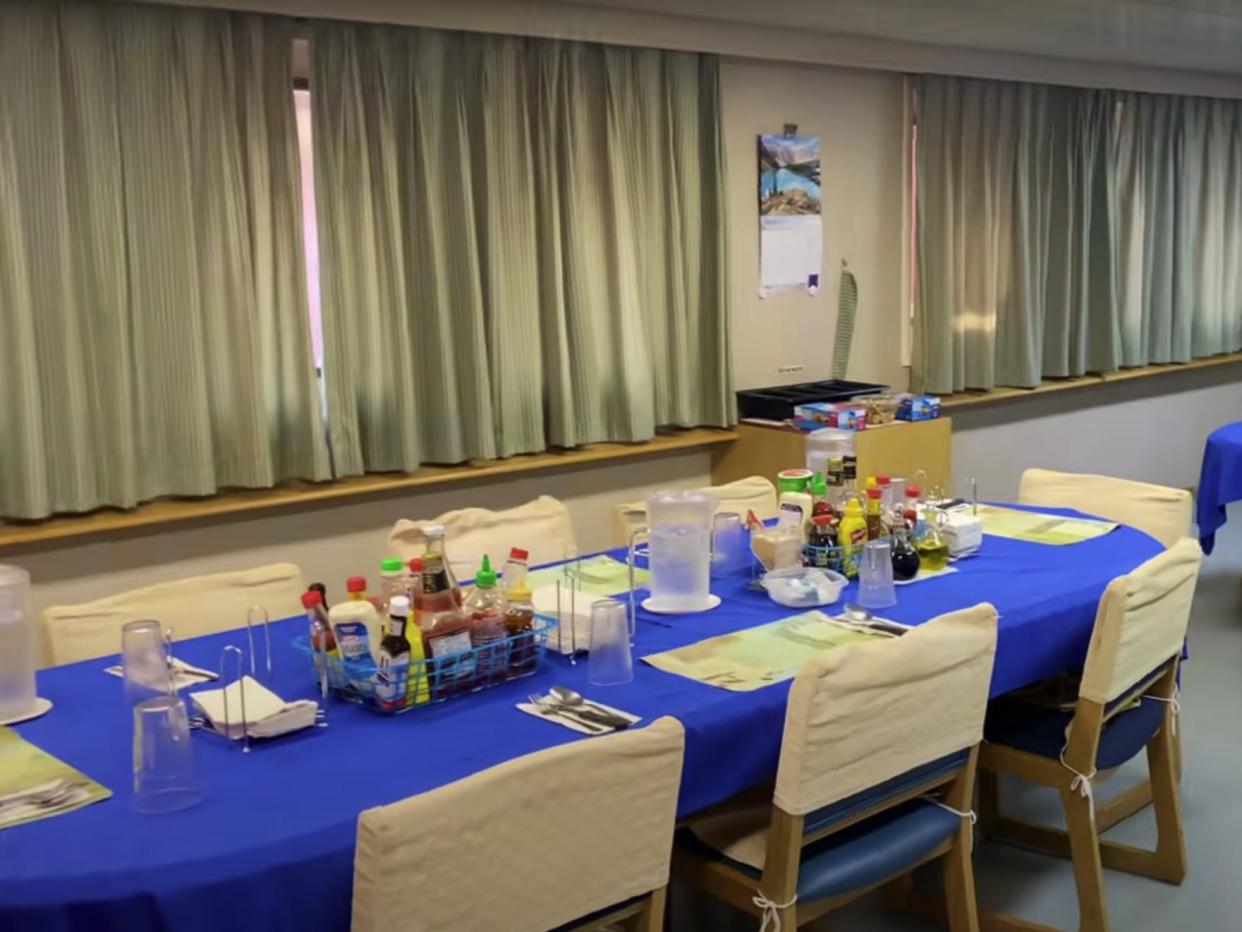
[(962, 530)]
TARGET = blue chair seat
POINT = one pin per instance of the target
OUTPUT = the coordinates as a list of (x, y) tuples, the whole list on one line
[(871, 851), (1038, 730)]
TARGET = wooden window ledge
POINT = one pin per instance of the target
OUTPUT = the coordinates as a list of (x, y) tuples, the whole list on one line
[(168, 511), (973, 398)]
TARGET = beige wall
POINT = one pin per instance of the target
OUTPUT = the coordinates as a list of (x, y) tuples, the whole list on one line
[(331, 543), (858, 117)]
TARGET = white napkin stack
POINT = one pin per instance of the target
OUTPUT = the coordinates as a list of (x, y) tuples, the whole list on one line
[(267, 715)]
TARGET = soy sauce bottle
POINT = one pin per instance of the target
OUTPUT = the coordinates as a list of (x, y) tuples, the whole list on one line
[(905, 558)]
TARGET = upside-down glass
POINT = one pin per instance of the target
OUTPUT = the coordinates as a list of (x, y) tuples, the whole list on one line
[(730, 553), (164, 776), (17, 640), (875, 576), (145, 659), (611, 662)]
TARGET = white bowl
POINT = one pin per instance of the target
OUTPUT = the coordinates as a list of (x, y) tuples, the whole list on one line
[(804, 586)]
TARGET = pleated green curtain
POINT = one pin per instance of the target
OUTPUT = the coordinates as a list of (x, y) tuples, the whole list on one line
[(1014, 234), (1063, 231), (154, 337), (521, 243)]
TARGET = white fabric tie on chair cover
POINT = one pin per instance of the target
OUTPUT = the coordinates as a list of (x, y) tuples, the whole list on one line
[(191, 607)]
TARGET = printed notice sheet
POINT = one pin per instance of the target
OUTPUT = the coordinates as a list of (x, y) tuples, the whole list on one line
[(1040, 528)]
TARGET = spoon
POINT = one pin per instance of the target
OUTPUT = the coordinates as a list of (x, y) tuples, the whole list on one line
[(856, 614), (567, 697)]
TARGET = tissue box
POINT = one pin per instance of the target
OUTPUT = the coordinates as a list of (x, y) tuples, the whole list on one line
[(819, 414), (919, 408), (963, 531)]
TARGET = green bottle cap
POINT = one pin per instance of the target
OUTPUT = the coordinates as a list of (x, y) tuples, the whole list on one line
[(486, 578), (819, 485), (391, 565)]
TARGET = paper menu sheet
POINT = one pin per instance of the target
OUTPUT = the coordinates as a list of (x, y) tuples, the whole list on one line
[(36, 785), (599, 575), (756, 657), (1040, 527)]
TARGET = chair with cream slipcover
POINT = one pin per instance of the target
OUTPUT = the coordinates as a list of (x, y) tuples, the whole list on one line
[(577, 836), (875, 778), (754, 493), (1126, 704), (1164, 513), (542, 527), (191, 607)]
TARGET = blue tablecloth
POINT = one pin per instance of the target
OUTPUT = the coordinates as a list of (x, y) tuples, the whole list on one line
[(1220, 480), (271, 845)]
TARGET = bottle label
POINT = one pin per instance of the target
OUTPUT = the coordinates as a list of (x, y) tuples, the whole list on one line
[(449, 644), (391, 679), (353, 641)]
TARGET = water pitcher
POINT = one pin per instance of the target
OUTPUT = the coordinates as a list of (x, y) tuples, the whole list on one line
[(17, 645), (679, 532)]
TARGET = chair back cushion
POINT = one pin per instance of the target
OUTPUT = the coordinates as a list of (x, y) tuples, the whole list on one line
[(864, 713), (191, 607), (754, 493), (1141, 622), (541, 527), (1158, 510), (528, 845)]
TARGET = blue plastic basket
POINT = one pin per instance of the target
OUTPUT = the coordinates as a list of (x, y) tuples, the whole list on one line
[(423, 682)]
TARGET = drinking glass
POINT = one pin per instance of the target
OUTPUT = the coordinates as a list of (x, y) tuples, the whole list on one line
[(875, 576), (729, 550), (145, 661), (17, 645), (611, 663), (164, 777)]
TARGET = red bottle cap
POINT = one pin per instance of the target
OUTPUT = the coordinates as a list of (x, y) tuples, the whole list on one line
[(356, 584), (517, 553), (913, 491), (883, 479), (416, 565), (311, 598), (876, 492)]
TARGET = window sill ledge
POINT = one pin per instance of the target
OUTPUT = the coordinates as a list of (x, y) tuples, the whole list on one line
[(307, 494), (997, 395)]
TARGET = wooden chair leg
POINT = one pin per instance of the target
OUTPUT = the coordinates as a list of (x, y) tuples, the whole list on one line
[(1088, 869), (1122, 806), (959, 883), (1170, 854), (989, 805), (651, 918)]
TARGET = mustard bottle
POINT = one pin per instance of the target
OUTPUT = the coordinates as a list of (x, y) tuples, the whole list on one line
[(851, 535)]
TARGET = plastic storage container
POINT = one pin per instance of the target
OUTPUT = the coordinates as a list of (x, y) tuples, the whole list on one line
[(822, 445)]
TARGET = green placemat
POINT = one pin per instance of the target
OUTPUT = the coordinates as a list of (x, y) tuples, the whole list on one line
[(36, 785)]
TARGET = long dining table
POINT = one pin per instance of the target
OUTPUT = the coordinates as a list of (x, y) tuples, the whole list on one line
[(271, 845)]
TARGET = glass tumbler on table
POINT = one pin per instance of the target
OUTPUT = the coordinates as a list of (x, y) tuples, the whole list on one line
[(145, 659), (164, 775), (17, 645), (611, 662), (729, 548), (875, 576)]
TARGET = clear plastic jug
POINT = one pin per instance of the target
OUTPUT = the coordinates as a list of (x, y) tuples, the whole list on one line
[(679, 536), (17, 645)]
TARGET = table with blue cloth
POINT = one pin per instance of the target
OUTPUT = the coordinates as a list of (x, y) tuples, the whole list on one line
[(271, 846), (1220, 481)]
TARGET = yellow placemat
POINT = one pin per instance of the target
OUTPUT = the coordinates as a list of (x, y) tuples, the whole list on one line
[(599, 575), (35, 785), (756, 657), (1040, 527)]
